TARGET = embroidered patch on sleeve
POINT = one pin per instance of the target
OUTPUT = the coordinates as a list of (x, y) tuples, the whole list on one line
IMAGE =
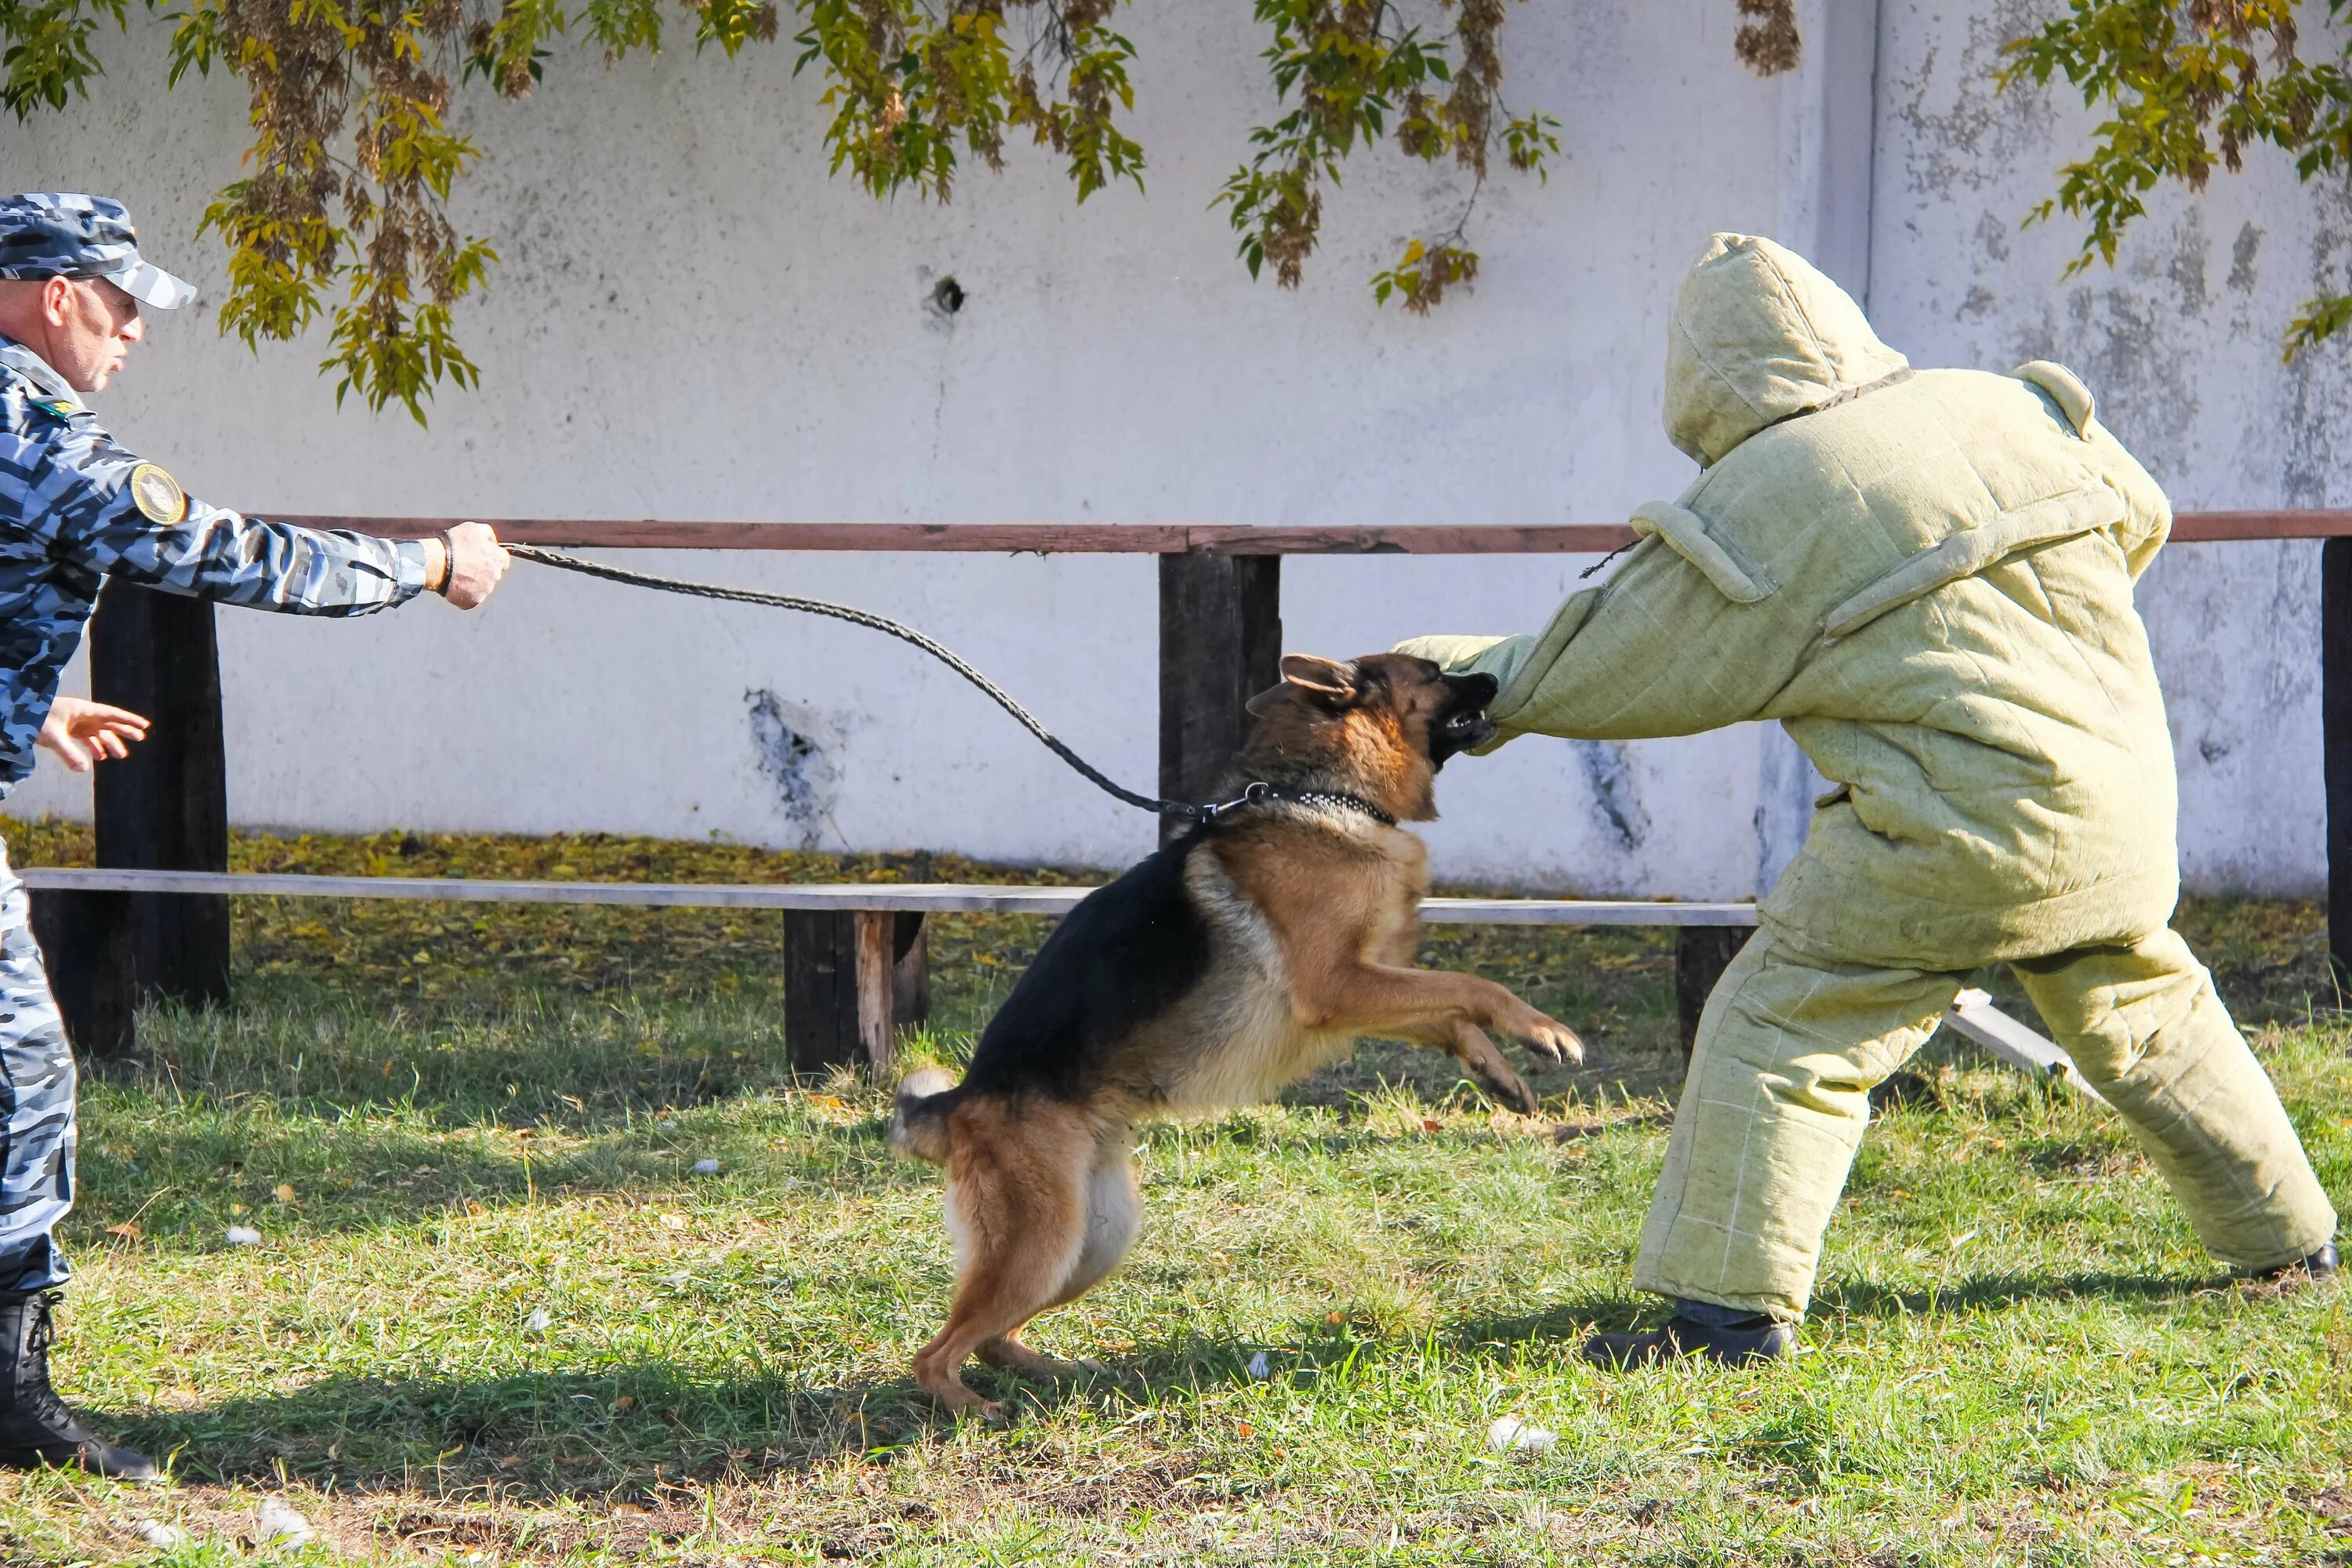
[(159, 495)]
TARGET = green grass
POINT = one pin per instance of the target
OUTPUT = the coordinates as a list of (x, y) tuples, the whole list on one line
[(2018, 1354)]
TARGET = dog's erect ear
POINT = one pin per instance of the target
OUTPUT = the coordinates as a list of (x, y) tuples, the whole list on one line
[(1323, 680), (1326, 683)]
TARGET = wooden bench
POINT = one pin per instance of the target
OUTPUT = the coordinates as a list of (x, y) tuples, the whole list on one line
[(855, 963), (856, 966)]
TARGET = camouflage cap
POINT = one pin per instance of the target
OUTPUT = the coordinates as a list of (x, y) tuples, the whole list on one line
[(53, 234)]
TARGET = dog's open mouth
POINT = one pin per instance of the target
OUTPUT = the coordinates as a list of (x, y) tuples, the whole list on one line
[(1463, 729)]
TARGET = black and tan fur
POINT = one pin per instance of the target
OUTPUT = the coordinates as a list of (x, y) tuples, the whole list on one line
[(1236, 960)]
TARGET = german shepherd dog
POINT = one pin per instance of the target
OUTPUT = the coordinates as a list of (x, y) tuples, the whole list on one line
[(1239, 959)]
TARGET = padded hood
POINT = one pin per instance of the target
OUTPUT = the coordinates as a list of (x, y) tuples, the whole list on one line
[(1759, 334)]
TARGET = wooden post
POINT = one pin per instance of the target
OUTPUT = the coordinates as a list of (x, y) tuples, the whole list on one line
[(164, 808), (820, 990), (875, 936), (1220, 645), (1701, 955), (2336, 745), (842, 984)]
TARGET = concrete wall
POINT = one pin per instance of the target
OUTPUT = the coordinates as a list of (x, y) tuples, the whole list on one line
[(692, 322)]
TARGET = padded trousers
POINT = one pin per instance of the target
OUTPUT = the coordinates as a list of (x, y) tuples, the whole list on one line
[(1790, 1048)]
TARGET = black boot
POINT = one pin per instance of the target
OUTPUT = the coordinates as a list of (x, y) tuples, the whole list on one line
[(35, 1427), (2320, 1265), (1751, 1340)]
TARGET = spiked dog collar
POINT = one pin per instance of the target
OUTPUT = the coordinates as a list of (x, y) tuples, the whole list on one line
[(1260, 792)]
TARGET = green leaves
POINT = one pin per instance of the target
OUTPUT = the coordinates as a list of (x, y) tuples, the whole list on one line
[(353, 163), (2320, 318), (1352, 72), (339, 215), (2187, 87), (732, 24), (1423, 274), (44, 53), (915, 86)]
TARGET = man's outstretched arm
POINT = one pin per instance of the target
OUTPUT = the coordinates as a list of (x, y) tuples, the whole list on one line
[(119, 516)]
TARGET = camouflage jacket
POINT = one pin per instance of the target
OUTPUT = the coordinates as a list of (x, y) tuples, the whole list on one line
[(76, 508)]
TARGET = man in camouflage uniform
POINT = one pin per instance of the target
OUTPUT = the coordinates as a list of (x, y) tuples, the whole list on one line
[(75, 509)]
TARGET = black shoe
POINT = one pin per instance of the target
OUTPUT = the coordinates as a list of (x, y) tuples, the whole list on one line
[(35, 1427), (2320, 1265), (1756, 1340)]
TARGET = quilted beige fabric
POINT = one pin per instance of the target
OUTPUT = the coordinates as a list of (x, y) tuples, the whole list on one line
[(1791, 1048), (1926, 576)]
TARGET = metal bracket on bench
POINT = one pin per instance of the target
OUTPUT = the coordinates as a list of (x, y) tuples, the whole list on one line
[(1973, 1016)]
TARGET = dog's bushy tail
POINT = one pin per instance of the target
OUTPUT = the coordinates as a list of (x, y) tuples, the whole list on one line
[(918, 1126)]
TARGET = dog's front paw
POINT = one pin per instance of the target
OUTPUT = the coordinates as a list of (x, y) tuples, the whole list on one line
[(1486, 1065), (1510, 1091), (1546, 1036)]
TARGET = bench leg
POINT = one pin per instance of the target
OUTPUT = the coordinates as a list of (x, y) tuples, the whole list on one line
[(841, 991), (820, 990), (1701, 955), (877, 936)]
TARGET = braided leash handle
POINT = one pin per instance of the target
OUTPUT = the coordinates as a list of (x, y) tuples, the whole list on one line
[(873, 622)]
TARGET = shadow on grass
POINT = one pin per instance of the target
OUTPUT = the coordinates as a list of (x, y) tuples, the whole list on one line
[(574, 1068), (353, 1176), (630, 1429), (626, 1431), (541, 1434), (1573, 1318)]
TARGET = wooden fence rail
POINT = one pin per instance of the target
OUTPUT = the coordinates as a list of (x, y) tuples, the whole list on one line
[(113, 947), (1174, 537)]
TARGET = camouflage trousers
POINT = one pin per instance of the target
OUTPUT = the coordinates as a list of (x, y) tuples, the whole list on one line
[(37, 1102)]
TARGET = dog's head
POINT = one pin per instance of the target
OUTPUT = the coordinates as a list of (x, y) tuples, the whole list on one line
[(1380, 726)]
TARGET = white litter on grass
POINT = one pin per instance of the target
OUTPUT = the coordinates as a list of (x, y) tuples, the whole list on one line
[(278, 1525), (539, 1323), (162, 1537), (243, 1236), (1258, 1367), (1511, 1434), (677, 1281), (706, 1167)]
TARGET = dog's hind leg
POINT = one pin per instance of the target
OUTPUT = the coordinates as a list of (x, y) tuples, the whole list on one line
[(1114, 1210), (1018, 1186)]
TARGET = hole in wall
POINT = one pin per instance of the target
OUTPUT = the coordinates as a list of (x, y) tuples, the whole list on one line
[(947, 297)]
